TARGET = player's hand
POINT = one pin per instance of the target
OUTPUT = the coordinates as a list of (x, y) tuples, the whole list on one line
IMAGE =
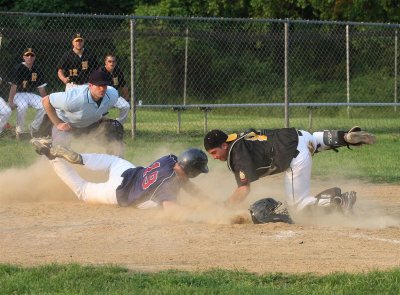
[(66, 80), (63, 126)]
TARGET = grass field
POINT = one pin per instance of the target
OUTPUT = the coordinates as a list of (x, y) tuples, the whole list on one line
[(75, 279), (378, 163)]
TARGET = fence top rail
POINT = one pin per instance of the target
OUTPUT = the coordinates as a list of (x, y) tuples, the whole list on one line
[(254, 105), (133, 17)]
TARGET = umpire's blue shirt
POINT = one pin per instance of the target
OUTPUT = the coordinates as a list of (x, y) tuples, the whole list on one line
[(77, 107)]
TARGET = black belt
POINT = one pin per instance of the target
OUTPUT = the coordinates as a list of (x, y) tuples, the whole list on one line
[(297, 151)]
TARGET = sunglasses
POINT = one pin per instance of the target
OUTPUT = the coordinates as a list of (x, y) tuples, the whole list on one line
[(29, 55)]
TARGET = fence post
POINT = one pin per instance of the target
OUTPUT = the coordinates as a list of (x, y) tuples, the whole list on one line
[(395, 69), (286, 75), (205, 110), (348, 69), (133, 96), (186, 62)]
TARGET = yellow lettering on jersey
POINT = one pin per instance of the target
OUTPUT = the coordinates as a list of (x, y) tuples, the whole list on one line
[(24, 84), (85, 65), (253, 137), (73, 72), (242, 175), (34, 77), (232, 137), (115, 81)]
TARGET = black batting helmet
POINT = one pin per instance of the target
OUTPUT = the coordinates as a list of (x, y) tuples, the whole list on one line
[(193, 161)]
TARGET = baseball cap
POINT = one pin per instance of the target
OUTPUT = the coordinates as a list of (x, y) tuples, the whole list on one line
[(99, 78), (214, 139), (28, 51), (77, 36)]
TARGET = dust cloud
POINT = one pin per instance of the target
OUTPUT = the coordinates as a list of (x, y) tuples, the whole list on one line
[(39, 183), (35, 183)]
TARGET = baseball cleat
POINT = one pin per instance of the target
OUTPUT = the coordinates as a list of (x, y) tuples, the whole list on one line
[(42, 145), (355, 136), (67, 154)]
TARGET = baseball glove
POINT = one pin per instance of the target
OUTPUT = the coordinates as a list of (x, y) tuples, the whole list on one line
[(269, 210)]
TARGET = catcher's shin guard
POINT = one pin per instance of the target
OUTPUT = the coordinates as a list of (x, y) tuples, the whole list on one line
[(345, 201), (336, 200), (334, 139)]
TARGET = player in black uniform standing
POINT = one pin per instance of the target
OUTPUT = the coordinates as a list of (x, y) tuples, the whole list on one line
[(117, 79), (256, 154), (25, 78), (77, 64)]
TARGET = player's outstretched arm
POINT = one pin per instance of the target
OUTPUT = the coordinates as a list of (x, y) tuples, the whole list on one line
[(238, 196)]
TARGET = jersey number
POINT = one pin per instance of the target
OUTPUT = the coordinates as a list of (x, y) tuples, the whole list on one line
[(150, 177)]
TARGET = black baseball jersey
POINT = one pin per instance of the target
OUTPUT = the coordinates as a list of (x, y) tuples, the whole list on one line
[(27, 80), (156, 182), (116, 76), (78, 68), (252, 156)]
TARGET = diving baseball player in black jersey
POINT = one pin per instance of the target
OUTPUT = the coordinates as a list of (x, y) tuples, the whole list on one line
[(77, 64), (143, 187), (255, 154), (25, 78), (117, 79)]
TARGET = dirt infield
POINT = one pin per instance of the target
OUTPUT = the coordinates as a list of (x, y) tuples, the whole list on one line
[(42, 222)]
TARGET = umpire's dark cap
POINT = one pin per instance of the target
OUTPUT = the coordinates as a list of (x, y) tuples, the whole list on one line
[(99, 78), (77, 36), (214, 138)]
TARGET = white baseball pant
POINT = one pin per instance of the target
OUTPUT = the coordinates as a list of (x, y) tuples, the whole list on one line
[(298, 176), (90, 192), (23, 100), (5, 113)]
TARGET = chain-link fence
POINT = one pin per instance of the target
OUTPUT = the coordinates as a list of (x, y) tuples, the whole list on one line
[(187, 75)]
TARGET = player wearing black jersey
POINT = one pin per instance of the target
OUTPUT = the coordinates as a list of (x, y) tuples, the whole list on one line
[(25, 78), (116, 75), (254, 154), (117, 79), (77, 64)]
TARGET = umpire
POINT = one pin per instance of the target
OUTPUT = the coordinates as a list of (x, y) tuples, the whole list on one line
[(81, 110)]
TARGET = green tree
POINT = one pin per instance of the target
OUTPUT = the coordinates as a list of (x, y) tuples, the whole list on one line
[(212, 8), (60, 6)]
